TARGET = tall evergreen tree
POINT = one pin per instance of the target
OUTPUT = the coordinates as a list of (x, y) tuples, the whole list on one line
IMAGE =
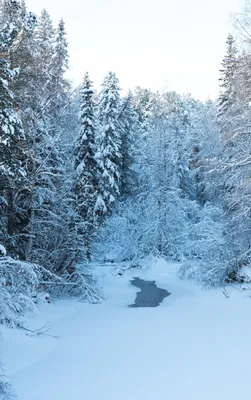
[(45, 37), (23, 11), (12, 133), (108, 155), (229, 66), (59, 86), (86, 181), (60, 57), (12, 151), (129, 126), (143, 101), (10, 10)]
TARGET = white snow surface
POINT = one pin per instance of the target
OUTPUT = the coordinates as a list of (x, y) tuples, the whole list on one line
[(194, 346), (2, 250)]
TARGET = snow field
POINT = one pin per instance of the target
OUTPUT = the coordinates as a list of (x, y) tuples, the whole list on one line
[(195, 346)]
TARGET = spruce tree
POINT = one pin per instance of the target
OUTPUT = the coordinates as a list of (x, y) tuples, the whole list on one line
[(59, 86), (108, 155), (45, 38), (9, 24), (129, 127), (12, 150), (229, 66), (45, 35), (143, 101), (10, 10), (11, 130), (86, 174), (60, 57), (22, 56)]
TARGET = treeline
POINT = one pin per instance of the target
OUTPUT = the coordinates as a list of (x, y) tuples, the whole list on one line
[(87, 175), (191, 199), (172, 210), (66, 157)]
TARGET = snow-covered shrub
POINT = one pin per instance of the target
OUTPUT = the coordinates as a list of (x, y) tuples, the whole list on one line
[(119, 238), (206, 253), (21, 282), (208, 273), (80, 285), (6, 392), (182, 230), (18, 284)]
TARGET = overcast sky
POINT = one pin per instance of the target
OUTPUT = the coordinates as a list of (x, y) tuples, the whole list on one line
[(158, 44)]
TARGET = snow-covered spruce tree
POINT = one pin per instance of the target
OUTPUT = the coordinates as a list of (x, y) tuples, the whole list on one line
[(45, 36), (108, 155), (22, 56), (59, 85), (11, 11), (60, 57), (143, 101), (130, 128), (23, 11), (11, 129), (86, 168), (229, 66), (12, 151)]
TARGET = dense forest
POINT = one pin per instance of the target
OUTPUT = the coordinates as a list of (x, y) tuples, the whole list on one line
[(87, 176)]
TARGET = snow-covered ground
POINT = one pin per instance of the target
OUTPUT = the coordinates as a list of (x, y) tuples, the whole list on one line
[(194, 346)]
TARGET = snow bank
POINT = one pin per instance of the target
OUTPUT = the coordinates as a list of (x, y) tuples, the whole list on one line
[(195, 346)]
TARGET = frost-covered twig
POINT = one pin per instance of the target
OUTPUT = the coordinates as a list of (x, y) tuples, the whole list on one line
[(43, 331)]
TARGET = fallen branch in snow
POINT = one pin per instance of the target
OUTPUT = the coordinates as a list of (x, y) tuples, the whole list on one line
[(43, 331), (225, 292)]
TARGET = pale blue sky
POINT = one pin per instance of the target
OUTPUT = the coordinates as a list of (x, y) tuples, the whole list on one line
[(171, 44)]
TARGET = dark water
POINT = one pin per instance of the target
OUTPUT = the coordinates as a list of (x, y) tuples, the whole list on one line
[(150, 295)]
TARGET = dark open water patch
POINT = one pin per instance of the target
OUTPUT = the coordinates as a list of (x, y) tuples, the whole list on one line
[(150, 295)]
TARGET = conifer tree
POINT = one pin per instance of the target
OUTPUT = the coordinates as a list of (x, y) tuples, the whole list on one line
[(86, 180), (45, 38), (143, 101), (229, 66), (23, 11), (108, 155), (59, 86), (45, 35), (12, 133), (129, 126), (12, 150), (10, 11), (60, 57)]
